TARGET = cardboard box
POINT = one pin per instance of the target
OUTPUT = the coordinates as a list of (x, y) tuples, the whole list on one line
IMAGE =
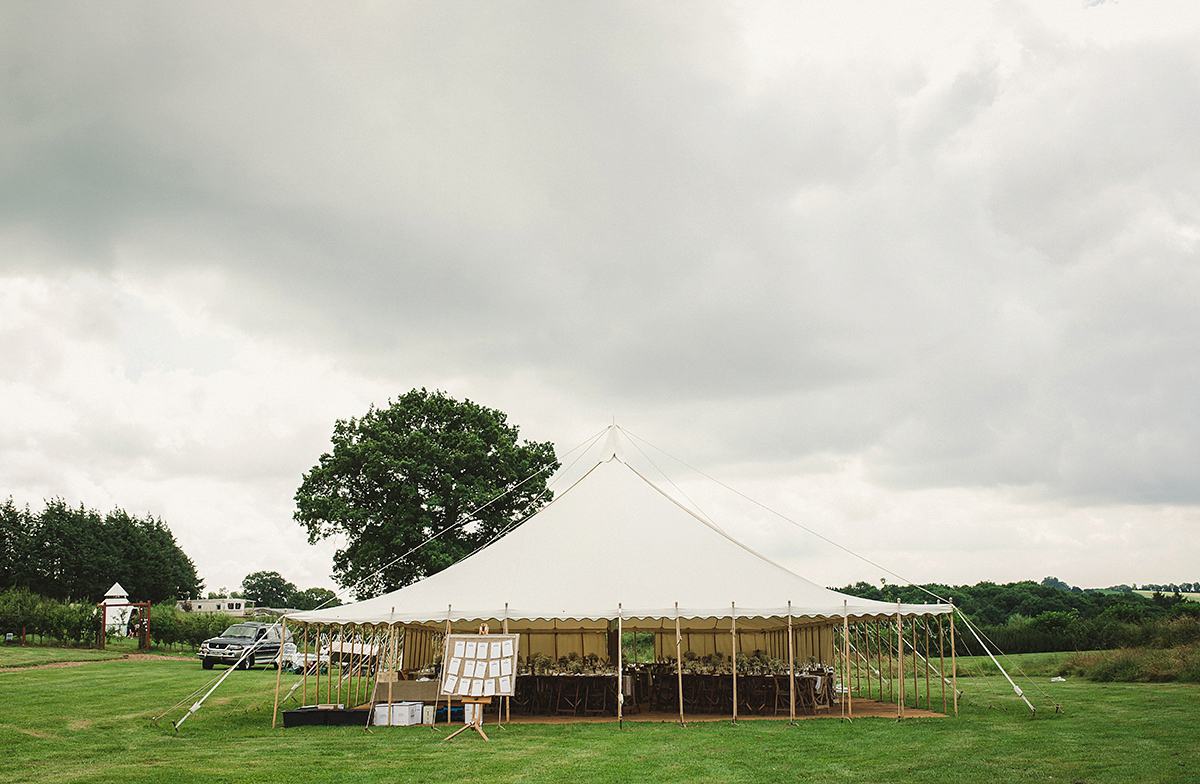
[(406, 691), (403, 714)]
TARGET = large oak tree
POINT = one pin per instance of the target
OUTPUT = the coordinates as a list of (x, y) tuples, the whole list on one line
[(426, 465)]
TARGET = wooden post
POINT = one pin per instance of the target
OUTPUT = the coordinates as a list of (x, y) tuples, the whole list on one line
[(508, 700), (891, 671), (848, 706), (942, 661), (304, 674), (860, 659), (679, 664), (620, 685), (899, 663), (953, 661), (733, 634), (791, 670), (278, 668), (441, 676), (393, 672), (916, 670), (341, 650), (879, 658), (925, 623)]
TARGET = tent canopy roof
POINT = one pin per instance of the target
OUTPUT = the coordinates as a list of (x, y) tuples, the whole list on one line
[(611, 544)]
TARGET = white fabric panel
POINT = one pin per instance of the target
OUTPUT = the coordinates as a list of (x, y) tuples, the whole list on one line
[(612, 538)]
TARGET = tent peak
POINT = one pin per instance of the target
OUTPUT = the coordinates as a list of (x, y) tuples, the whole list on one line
[(612, 445)]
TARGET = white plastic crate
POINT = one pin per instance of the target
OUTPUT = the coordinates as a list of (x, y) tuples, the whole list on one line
[(403, 714)]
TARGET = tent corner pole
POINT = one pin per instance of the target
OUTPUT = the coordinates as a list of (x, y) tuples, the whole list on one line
[(791, 670)]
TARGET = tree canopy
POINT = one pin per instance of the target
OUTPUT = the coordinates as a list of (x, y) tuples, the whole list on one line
[(426, 465), (270, 589), (65, 552), (267, 589)]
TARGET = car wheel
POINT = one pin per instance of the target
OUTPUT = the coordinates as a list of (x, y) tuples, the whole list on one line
[(249, 662), (206, 664)]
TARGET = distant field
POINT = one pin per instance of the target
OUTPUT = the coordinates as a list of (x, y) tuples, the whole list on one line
[(1191, 597), (92, 723)]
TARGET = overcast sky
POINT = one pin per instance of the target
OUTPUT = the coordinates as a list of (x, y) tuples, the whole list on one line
[(921, 276)]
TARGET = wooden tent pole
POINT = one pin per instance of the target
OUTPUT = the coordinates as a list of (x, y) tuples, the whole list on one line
[(925, 623), (879, 659), (304, 660), (899, 663), (679, 664), (857, 653), (341, 650), (848, 705), (953, 661), (791, 670), (508, 700), (279, 670), (916, 671), (942, 661), (620, 685), (392, 670), (329, 666), (733, 634), (442, 675)]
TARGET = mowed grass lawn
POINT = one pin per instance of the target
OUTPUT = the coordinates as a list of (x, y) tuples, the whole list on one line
[(92, 722)]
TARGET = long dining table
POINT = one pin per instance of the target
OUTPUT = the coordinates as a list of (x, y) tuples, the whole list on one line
[(657, 689)]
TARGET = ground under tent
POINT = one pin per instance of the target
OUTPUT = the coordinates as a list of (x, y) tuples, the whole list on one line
[(714, 626)]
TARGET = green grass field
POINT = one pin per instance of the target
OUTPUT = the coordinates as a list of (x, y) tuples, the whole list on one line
[(92, 722)]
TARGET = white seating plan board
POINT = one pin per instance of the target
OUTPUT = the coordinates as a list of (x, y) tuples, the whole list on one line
[(480, 665)]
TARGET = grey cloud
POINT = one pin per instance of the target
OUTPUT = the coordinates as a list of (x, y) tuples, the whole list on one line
[(842, 262)]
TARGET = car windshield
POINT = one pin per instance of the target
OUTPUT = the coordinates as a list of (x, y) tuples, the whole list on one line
[(240, 630)]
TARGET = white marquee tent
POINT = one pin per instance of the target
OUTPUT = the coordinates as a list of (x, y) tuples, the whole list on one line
[(612, 544), (613, 552)]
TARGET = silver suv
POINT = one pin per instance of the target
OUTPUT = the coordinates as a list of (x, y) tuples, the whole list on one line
[(261, 638)]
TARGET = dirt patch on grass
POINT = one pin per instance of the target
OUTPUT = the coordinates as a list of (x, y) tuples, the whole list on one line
[(155, 657), (51, 665), (127, 657)]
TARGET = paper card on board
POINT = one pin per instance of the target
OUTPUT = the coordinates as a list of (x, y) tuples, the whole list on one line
[(506, 666), (470, 654), (495, 650), (464, 686), (454, 666), (494, 668), (476, 688), (507, 648), (459, 647), (451, 682), (505, 685), (480, 669), (489, 687)]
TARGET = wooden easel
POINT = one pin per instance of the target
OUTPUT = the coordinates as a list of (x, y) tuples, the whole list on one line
[(476, 722)]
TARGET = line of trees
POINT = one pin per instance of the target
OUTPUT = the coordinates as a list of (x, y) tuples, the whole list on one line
[(1028, 617), (75, 553), (1171, 587)]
